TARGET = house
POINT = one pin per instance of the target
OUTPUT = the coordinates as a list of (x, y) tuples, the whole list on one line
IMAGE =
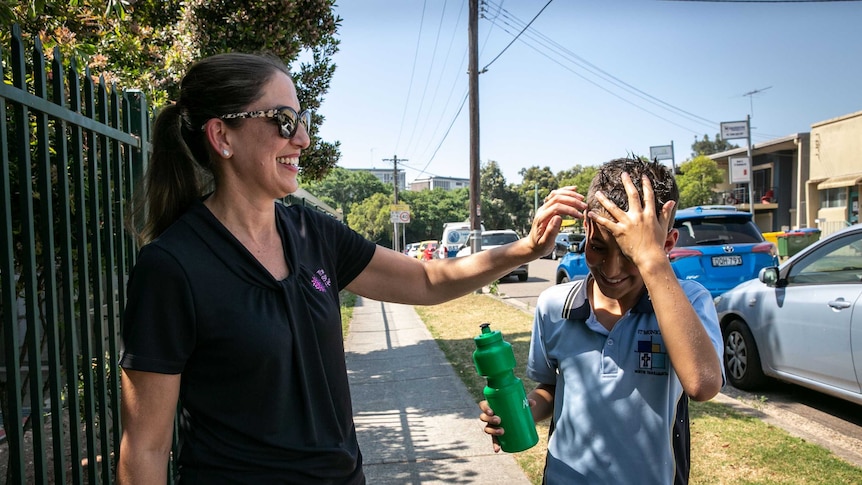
[(802, 180)]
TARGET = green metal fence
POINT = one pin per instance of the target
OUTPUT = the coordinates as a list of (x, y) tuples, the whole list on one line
[(71, 151)]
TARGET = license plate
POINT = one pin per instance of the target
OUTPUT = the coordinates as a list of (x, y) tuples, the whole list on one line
[(727, 260)]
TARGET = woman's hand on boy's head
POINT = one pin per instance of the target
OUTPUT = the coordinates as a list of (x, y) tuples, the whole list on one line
[(565, 201), (638, 231)]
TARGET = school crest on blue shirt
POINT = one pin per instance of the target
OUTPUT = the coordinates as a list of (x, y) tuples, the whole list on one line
[(652, 355)]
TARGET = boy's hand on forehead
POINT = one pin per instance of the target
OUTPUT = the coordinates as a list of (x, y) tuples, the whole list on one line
[(640, 232)]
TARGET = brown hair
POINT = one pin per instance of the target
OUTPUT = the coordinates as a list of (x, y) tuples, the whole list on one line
[(180, 167), (608, 180)]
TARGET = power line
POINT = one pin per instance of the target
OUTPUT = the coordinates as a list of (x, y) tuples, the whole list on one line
[(591, 68), (516, 37), (412, 73)]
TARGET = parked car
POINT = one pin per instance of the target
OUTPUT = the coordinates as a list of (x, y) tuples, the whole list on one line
[(573, 266), (420, 251), (562, 244), (411, 249), (719, 247), (492, 239), (800, 322)]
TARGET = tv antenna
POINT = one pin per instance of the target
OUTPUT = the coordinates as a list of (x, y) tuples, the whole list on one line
[(750, 95)]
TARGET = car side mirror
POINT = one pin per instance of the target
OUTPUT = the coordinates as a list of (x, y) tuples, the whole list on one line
[(768, 276)]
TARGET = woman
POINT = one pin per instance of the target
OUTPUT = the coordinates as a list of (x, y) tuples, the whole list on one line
[(233, 304)]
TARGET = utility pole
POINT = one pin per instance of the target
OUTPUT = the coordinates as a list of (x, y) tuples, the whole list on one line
[(394, 160), (473, 72), (751, 169)]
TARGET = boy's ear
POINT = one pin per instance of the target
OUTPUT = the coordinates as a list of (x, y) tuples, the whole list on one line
[(671, 239)]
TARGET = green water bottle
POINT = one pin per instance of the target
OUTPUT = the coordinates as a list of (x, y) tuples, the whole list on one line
[(504, 392)]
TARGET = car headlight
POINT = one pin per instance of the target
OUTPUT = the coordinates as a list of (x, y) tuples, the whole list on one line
[(717, 300)]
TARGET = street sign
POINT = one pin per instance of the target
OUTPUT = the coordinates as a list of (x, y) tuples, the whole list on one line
[(399, 213), (740, 170), (664, 152), (400, 217), (734, 129)]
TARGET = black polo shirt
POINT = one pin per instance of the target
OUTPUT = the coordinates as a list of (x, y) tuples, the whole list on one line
[(264, 389)]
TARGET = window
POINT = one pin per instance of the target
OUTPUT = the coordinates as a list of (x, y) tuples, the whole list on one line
[(836, 197), (839, 261)]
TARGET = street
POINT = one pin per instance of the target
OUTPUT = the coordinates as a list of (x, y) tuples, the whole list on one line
[(839, 421)]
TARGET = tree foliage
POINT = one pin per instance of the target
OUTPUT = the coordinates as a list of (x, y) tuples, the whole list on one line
[(696, 183), (708, 147), (342, 188), (148, 44), (430, 209), (370, 218)]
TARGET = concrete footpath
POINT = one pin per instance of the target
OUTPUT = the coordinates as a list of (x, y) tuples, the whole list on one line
[(415, 420)]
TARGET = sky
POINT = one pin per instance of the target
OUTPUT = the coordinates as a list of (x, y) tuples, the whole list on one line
[(586, 82)]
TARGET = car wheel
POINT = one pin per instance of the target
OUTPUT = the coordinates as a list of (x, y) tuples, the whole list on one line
[(522, 277), (741, 359), (562, 278), (554, 256)]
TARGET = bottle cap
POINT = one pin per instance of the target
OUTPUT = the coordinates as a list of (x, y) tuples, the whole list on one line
[(488, 336)]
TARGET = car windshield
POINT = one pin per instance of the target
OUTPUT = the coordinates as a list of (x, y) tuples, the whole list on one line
[(717, 230), (498, 239)]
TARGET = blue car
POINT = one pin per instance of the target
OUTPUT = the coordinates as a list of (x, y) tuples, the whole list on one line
[(573, 266), (718, 246)]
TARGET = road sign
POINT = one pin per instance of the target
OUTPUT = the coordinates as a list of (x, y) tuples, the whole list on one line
[(734, 129), (664, 152), (740, 170), (401, 217)]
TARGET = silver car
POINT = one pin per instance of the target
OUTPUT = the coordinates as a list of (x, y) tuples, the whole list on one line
[(800, 322)]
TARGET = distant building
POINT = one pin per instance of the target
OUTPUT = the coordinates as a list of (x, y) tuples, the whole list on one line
[(445, 183), (802, 180), (385, 175)]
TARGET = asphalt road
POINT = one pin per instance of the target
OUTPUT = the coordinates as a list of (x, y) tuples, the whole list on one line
[(830, 422)]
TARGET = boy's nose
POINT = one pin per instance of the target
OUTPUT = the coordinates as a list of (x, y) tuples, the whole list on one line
[(613, 263)]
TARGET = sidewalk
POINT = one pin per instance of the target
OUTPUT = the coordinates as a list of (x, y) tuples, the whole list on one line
[(415, 420)]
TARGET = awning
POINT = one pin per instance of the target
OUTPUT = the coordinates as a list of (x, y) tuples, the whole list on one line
[(840, 181)]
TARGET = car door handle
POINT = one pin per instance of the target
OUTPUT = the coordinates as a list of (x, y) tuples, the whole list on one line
[(839, 304)]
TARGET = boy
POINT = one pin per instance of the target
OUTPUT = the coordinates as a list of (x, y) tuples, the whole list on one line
[(618, 354)]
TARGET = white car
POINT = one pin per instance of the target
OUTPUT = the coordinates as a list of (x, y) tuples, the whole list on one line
[(411, 249), (492, 239), (800, 322)]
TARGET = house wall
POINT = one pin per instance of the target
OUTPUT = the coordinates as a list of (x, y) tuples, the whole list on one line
[(835, 151)]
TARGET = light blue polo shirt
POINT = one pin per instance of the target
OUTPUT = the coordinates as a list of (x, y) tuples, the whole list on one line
[(620, 414)]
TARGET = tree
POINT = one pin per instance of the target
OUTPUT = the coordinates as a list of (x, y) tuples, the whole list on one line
[(370, 218), (430, 209), (533, 176), (342, 188), (699, 177), (708, 147)]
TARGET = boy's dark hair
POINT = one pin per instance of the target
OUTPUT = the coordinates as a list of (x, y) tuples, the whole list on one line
[(609, 181)]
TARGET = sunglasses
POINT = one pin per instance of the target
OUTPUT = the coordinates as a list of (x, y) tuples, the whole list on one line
[(286, 118)]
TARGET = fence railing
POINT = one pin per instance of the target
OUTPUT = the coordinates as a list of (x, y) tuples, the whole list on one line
[(71, 151)]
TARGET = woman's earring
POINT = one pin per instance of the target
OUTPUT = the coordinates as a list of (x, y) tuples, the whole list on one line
[(225, 152)]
